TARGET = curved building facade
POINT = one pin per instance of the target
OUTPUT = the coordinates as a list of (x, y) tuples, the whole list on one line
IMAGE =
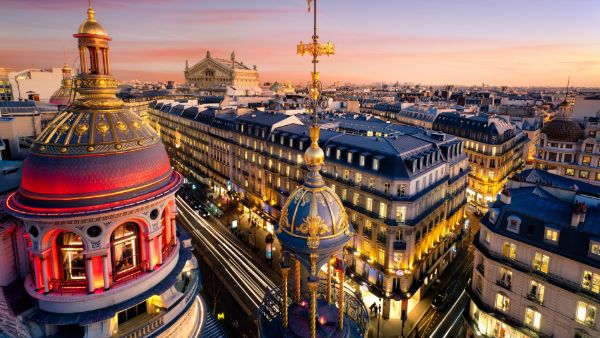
[(97, 203)]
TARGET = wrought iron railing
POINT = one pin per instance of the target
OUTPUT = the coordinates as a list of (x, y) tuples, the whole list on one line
[(167, 250), (354, 308), (129, 274), (70, 286)]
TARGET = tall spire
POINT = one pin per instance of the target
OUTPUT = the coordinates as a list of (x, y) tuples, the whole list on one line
[(90, 11), (314, 155)]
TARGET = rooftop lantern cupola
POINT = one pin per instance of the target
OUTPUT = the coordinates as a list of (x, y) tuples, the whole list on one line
[(313, 231), (93, 46)]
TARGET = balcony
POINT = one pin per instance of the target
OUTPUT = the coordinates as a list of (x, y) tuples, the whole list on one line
[(481, 269), (503, 283), (531, 295)]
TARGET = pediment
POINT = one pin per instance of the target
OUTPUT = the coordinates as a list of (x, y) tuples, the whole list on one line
[(207, 63)]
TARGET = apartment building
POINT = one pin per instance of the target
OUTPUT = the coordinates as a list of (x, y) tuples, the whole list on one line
[(537, 261), (404, 193), (495, 148)]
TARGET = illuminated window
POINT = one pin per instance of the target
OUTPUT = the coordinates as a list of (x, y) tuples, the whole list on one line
[(591, 281), (71, 252), (382, 210), (536, 291), (533, 318), (541, 262), (124, 243), (570, 172), (502, 302), (509, 250), (369, 204), (401, 213), (358, 178), (338, 154), (362, 160), (349, 157), (595, 248), (505, 278), (586, 160), (584, 174), (355, 198), (375, 164), (551, 235), (586, 314)]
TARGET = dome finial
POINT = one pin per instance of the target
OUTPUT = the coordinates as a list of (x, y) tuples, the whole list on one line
[(90, 11)]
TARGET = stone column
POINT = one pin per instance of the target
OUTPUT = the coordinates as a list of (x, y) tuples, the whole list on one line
[(83, 62), (341, 299), (312, 287), (105, 265), (284, 273), (45, 274), (89, 274), (151, 254), (159, 249), (36, 277), (329, 280), (173, 228), (297, 281)]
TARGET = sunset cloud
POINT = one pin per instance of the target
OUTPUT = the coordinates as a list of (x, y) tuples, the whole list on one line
[(433, 42)]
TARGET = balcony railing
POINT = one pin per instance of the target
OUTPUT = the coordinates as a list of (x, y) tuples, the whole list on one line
[(505, 284), (534, 297), (354, 308), (168, 249), (68, 286), (129, 274)]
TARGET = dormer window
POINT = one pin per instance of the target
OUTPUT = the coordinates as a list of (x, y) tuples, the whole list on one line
[(291, 142), (281, 140), (375, 164), (362, 160), (349, 157), (338, 154), (494, 215), (514, 223), (327, 151), (595, 249), (551, 235)]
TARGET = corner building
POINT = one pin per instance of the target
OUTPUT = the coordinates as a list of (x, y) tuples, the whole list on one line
[(537, 261), (97, 208)]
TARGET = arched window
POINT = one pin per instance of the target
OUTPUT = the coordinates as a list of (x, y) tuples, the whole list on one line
[(70, 249), (125, 247)]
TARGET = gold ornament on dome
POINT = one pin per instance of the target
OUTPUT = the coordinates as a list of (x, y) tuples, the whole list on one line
[(121, 126), (91, 148), (314, 226), (63, 128), (102, 127), (81, 128), (136, 124), (343, 222), (104, 82)]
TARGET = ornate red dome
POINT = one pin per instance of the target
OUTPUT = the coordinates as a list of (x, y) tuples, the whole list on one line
[(95, 154)]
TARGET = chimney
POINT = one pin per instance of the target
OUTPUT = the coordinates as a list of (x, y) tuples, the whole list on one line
[(505, 196), (578, 217)]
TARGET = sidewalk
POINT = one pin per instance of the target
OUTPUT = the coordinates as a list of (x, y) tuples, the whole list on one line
[(245, 232)]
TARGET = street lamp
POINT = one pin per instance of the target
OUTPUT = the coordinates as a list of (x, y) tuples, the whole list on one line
[(378, 313)]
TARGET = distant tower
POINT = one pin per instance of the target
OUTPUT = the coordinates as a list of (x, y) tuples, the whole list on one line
[(313, 231), (565, 109), (233, 60), (62, 96), (208, 54), (187, 67)]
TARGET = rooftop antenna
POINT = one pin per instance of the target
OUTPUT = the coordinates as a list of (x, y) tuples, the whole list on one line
[(568, 82)]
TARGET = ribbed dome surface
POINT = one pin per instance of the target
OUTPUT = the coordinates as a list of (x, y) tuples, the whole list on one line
[(92, 27), (565, 130)]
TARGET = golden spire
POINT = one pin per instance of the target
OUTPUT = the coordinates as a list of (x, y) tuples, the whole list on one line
[(314, 154), (90, 11)]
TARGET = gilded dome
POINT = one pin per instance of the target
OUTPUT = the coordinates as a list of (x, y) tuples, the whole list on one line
[(314, 212), (565, 130), (91, 26)]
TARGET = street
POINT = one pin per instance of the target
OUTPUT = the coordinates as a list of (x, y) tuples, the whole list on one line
[(243, 275)]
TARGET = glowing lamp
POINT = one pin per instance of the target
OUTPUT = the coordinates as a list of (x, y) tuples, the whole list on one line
[(322, 320)]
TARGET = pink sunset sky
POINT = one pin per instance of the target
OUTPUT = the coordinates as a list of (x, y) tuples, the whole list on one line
[(515, 42)]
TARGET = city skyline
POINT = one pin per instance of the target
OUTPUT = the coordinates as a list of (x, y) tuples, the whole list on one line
[(511, 43)]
